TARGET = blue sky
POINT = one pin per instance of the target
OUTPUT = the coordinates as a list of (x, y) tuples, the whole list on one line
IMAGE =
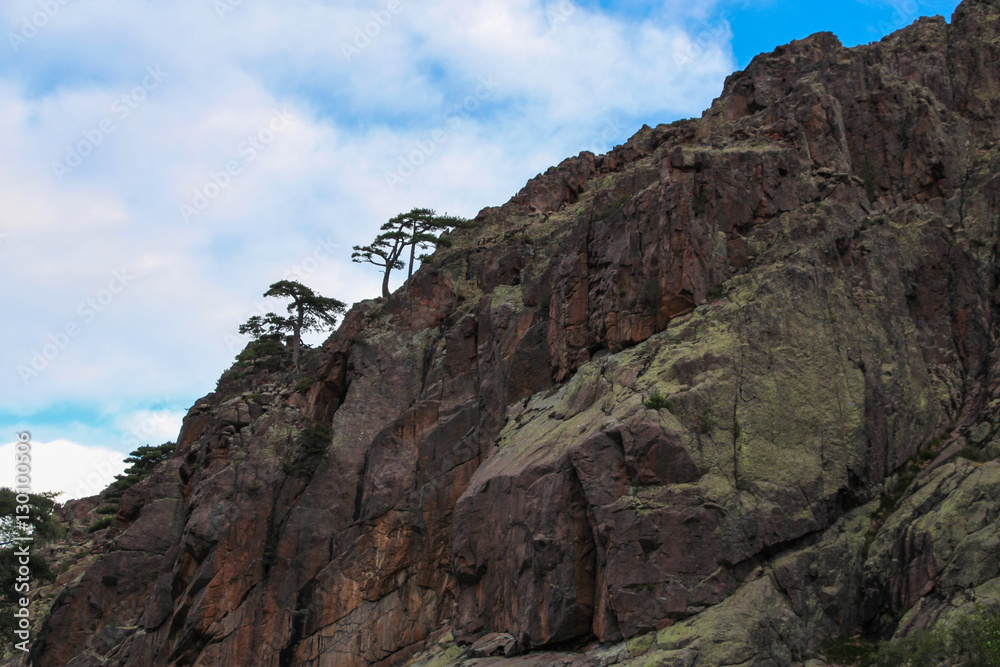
[(761, 26), (162, 163)]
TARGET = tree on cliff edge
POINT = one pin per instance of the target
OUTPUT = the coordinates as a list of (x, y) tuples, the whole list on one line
[(308, 311), (41, 525), (384, 252), (420, 228)]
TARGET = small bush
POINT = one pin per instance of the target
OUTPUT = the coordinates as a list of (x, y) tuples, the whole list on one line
[(268, 353), (928, 648), (868, 176), (648, 296), (715, 293), (657, 401), (269, 555), (971, 641), (305, 384), (888, 502), (972, 454), (107, 509), (544, 303), (143, 460), (977, 637), (847, 650), (100, 524), (262, 348), (311, 447), (706, 422), (700, 202)]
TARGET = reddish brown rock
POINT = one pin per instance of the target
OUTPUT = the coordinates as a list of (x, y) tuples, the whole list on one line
[(810, 274)]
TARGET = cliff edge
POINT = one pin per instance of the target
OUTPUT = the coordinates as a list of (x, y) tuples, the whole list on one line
[(709, 399)]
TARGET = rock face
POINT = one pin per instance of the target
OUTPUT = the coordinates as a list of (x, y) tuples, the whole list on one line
[(708, 399)]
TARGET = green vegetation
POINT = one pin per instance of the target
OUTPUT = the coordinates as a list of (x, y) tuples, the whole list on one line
[(868, 176), (543, 304), (42, 523), (847, 650), (971, 641), (420, 228), (715, 293), (648, 296), (973, 454), (310, 451), (657, 401), (107, 509), (906, 475), (308, 311), (143, 460), (699, 203), (887, 504), (43, 526), (100, 524), (706, 422), (265, 352), (614, 206), (269, 554), (305, 384)]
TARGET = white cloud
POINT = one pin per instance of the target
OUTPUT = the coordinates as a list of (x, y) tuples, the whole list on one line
[(149, 427), (64, 466), (562, 78)]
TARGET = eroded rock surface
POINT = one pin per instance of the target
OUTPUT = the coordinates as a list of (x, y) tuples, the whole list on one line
[(655, 410)]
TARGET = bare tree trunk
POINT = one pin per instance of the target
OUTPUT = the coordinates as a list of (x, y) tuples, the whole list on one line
[(413, 251), (385, 283), (297, 339)]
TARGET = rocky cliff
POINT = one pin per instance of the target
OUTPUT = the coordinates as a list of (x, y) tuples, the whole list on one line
[(709, 399)]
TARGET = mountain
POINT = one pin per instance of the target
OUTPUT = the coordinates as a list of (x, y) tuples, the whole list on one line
[(718, 397)]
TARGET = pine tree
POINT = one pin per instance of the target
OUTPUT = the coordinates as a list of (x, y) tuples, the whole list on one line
[(421, 228), (308, 311)]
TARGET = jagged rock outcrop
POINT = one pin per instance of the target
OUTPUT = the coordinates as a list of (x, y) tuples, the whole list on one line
[(664, 407)]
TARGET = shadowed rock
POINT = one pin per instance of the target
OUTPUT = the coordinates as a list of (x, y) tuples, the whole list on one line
[(807, 278)]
